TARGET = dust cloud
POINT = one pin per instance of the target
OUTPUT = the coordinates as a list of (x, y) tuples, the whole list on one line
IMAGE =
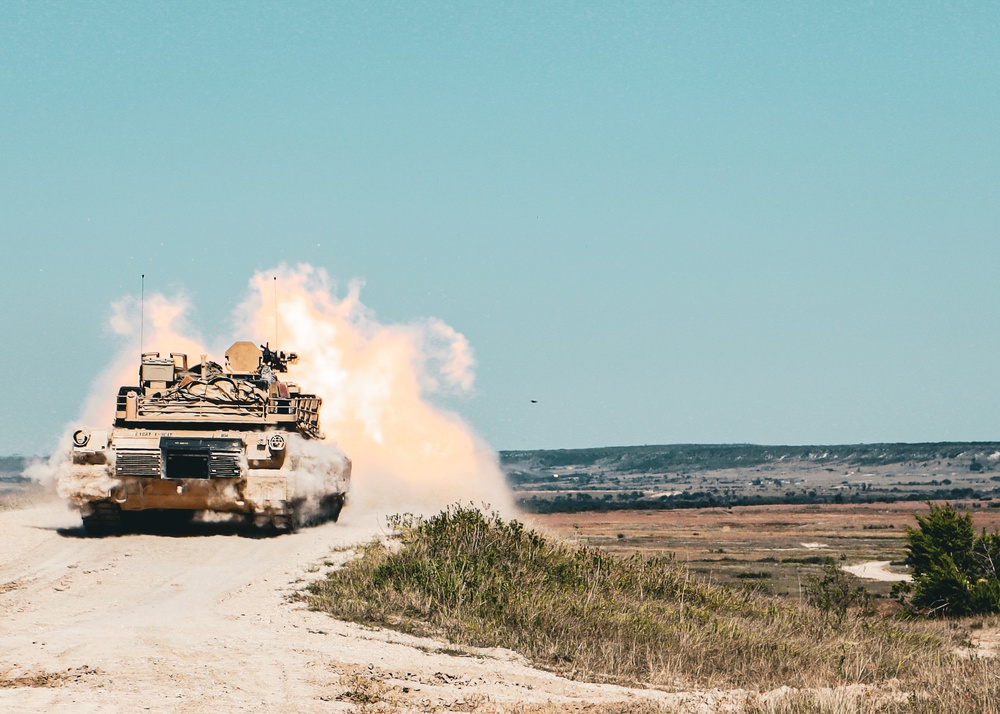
[(376, 379), (377, 382)]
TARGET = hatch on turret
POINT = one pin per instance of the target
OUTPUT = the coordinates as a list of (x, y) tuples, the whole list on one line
[(243, 358)]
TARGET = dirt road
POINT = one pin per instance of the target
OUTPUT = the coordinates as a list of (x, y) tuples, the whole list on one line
[(877, 570), (202, 623)]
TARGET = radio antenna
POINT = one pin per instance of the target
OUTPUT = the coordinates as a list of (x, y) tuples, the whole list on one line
[(142, 312), (275, 313)]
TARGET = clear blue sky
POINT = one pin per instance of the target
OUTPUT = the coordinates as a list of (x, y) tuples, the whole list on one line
[(666, 222)]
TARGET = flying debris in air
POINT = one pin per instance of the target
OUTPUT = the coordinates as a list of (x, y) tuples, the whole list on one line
[(534, 401)]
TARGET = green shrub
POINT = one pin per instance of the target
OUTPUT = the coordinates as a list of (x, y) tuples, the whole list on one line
[(954, 570), (834, 592)]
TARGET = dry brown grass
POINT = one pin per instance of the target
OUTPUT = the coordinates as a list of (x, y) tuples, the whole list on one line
[(583, 613), (44, 679), (15, 495), (959, 688), (371, 692), (481, 582)]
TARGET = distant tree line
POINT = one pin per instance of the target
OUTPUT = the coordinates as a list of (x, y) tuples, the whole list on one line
[(634, 500), (12, 468)]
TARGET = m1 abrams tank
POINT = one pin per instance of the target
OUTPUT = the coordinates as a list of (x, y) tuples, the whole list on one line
[(233, 439)]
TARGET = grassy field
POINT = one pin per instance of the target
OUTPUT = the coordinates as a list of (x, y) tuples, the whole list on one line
[(772, 548)]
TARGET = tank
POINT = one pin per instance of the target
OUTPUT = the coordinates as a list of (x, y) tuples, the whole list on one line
[(233, 439)]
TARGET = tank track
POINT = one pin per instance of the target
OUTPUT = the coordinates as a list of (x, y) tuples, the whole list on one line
[(329, 510), (104, 519), (330, 506)]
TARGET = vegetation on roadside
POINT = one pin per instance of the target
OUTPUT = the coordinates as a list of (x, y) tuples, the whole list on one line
[(958, 687), (19, 494), (16, 489), (835, 593), (481, 581)]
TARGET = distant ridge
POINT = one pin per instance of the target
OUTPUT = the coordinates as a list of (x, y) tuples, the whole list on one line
[(12, 467), (710, 475), (720, 456)]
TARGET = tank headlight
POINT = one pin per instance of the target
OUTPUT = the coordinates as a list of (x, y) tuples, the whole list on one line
[(277, 442), (81, 437)]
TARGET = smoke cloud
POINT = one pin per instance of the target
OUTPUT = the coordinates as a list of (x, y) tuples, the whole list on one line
[(377, 382)]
